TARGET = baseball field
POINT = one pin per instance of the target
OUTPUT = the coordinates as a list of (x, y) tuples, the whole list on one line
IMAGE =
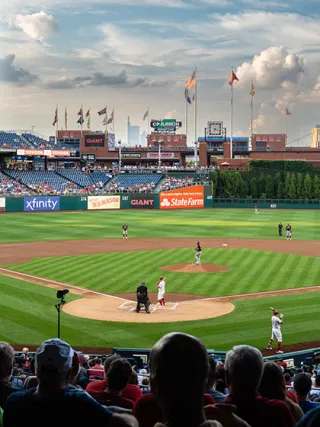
[(246, 268)]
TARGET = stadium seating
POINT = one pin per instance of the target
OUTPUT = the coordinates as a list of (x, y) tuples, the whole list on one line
[(41, 179), (42, 143), (13, 140), (83, 179), (132, 182)]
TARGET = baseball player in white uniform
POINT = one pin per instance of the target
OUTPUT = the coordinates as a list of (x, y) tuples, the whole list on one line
[(161, 290), (256, 211), (198, 253), (276, 330)]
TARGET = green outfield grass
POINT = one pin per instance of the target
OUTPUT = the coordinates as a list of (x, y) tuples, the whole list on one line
[(250, 271), (28, 315), (181, 223)]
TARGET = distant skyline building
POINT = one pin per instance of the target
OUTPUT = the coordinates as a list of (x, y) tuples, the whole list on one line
[(143, 139), (133, 134)]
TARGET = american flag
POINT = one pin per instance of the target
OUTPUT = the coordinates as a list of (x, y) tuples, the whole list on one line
[(192, 81)]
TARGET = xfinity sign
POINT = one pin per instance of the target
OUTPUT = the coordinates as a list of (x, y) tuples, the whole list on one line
[(33, 204)]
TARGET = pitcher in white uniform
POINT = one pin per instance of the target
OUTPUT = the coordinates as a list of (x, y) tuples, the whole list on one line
[(161, 290), (276, 330)]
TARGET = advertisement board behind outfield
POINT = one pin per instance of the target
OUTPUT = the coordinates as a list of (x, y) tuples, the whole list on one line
[(32, 204), (142, 201), (103, 202), (2, 204), (183, 198)]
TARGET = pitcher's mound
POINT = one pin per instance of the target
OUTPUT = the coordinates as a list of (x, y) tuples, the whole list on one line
[(193, 268)]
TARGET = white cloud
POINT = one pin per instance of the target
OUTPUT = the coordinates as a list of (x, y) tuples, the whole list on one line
[(38, 26)]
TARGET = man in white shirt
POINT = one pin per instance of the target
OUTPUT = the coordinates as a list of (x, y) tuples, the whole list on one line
[(276, 330), (161, 290)]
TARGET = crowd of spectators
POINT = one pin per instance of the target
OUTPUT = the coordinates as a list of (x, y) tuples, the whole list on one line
[(181, 386), (116, 187), (10, 187), (172, 183)]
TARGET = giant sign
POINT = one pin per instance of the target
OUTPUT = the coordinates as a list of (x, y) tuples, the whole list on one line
[(103, 202), (33, 204), (183, 198), (142, 201), (165, 126), (94, 140)]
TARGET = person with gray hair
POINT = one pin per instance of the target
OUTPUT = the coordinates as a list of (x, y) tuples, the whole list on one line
[(6, 368), (244, 367)]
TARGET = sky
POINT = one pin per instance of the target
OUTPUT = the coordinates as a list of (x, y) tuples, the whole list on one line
[(129, 55)]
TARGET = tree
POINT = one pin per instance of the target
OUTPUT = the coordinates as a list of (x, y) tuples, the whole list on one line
[(307, 186), (292, 188), (244, 189), (269, 188), (261, 185), (228, 188), (236, 180), (280, 190), (287, 184), (316, 187), (300, 186), (278, 178), (253, 187)]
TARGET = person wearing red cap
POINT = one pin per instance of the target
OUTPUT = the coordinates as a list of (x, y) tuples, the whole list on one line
[(276, 330), (161, 290)]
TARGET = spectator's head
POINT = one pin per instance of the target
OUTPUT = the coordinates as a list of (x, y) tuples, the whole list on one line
[(183, 359), (6, 361), (75, 368), (317, 380), (54, 363), (244, 366), (302, 384), (97, 361), (133, 378), (287, 378), (272, 385), (108, 361), (212, 376), (118, 375)]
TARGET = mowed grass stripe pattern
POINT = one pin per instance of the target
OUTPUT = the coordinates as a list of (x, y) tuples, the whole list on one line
[(28, 315), (236, 223), (250, 271)]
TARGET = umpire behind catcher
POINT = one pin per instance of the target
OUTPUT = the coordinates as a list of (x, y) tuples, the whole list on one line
[(142, 298)]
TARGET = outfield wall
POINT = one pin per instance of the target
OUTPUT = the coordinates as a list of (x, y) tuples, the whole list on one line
[(266, 203), (194, 197)]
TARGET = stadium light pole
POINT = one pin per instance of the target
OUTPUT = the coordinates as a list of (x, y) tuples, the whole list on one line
[(120, 157), (195, 154), (159, 154)]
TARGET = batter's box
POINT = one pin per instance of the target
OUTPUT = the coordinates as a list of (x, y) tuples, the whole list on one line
[(130, 306)]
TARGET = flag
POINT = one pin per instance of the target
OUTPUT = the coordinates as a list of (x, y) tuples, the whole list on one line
[(55, 120), (81, 120), (186, 94), (232, 78), (105, 121), (89, 119), (252, 91), (192, 81), (66, 119), (80, 112), (111, 118), (288, 113), (146, 114), (103, 111)]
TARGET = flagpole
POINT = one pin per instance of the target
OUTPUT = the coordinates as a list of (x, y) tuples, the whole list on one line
[(57, 124), (186, 112), (148, 121), (231, 122), (113, 121), (251, 117), (286, 123), (195, 108)]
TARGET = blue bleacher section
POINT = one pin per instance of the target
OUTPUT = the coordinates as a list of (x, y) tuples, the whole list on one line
[(129, 180), (13, 140), (43, 143), (38, 178), (82, 179)]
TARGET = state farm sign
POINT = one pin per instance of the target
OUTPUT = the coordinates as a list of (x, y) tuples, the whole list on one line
[(183, 198), (142, 201)]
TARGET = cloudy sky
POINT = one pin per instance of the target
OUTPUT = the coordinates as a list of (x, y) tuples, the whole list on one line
[(131, 54)]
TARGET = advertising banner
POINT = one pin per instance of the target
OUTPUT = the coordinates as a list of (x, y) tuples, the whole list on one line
[(33, 204), (47, 153), (183, 198), (94, 140), (131, 155), (103, 202), (142, 201), (111, 142), (2, 204), (163, 155)]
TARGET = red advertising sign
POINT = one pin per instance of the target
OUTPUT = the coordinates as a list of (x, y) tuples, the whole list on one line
[(183, 198)]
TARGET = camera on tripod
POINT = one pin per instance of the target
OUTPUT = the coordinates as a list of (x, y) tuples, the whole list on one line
[(61, 295)]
